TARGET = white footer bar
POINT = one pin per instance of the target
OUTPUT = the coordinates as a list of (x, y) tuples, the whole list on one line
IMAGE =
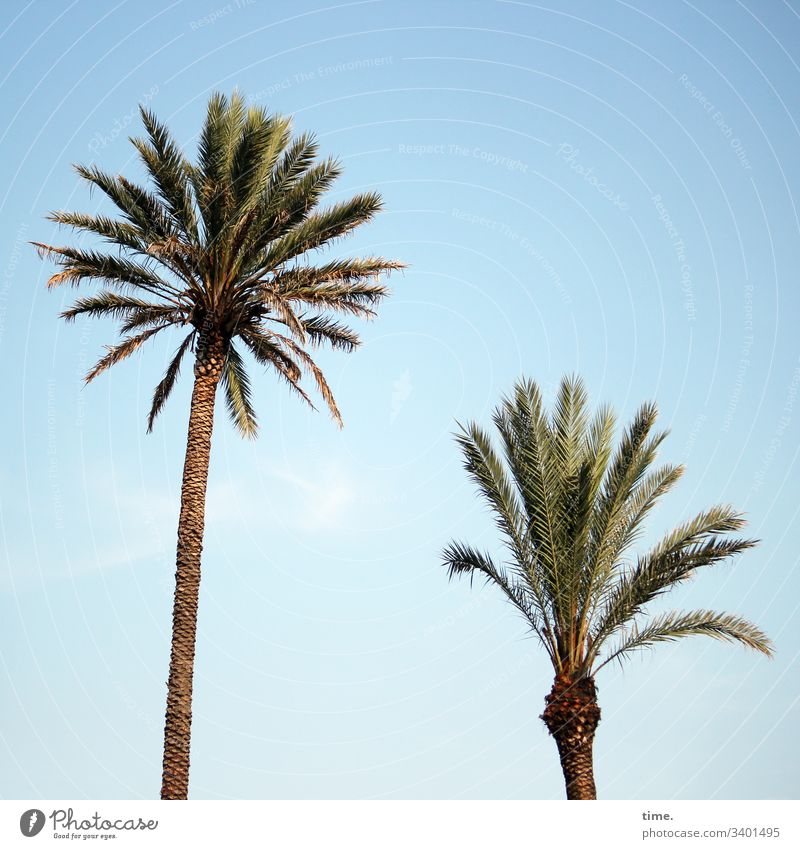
[(401, 824)]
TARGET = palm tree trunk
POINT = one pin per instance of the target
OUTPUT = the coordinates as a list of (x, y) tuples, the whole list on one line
[(178, 723), (571, 716)]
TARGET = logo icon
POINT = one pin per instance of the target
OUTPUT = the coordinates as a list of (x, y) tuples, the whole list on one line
[(31, 822)]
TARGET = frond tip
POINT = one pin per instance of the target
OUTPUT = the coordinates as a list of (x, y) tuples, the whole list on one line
[(462, 560)]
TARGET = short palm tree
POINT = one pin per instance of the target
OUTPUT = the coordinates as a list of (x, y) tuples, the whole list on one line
[(570, 507), (220, 249)]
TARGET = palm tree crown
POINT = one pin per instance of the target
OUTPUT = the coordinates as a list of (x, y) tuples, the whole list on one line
[(570, 508), (218, 247)]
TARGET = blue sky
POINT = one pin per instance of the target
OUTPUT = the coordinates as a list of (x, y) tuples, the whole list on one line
[(601, 188)]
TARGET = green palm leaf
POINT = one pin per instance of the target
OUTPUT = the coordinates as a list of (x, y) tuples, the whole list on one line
[(117, 353), (321, 228), (106, 303), (170, 172), (165, 387), (666, 627), (236, 385), (320, 329)]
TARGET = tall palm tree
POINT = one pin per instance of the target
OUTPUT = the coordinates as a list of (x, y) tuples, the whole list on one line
[(570, 507), (220, 249)]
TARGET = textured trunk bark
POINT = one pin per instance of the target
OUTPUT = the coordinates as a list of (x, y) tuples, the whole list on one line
[(571, 716), (178, 722)]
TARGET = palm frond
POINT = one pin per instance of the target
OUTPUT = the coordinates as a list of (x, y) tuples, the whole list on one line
[(256, 151), (151, 315), (348, 286), (600, 579), (136, 204), (238, 394), (720, 519), (307, 363), (529, 453), (106, 303), (674, 625), (571, 483), (285, 206), (627, 466), (275, 301), (569, 423), (119, 352), (276, 215), (486, 470), (268, 352), (641, 501), (170, 172), (165, 243), (113, 231), (635, 454), (356, 300), (77, 265), (320, 329), (596, 453), (658, 572), (119, 195), (344, 272), (322, 228), (463, 560), (275, 208), (165, 387), (207, 176), (297, 158)]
